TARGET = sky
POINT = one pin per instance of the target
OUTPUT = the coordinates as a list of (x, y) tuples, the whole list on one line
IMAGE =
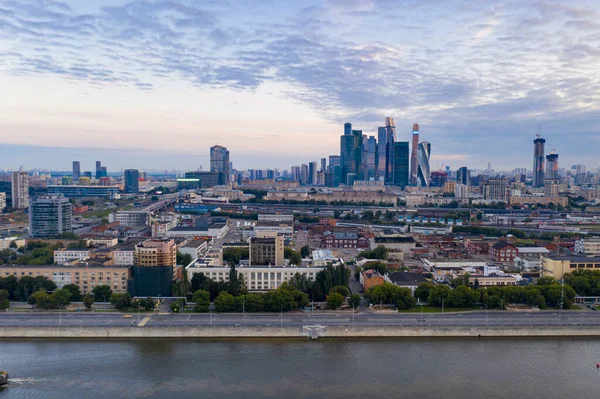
[(154, 84)]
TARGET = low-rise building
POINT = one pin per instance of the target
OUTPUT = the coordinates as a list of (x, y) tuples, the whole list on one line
[(589, 246), (503, 252), (130, 218), (489, 281), (66, 256), (279, 227), (371, 278), (534, 200), (7, 241), (344, 239), (406, 279), (394, 242), (194, 248), (324, 257), (554, 265)]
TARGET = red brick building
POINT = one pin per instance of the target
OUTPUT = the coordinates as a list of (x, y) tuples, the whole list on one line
[(503, 252), (341, 239)]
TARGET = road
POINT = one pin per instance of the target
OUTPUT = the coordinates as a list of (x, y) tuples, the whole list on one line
[(479, 318)]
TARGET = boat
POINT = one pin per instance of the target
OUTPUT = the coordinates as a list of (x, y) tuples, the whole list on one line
[(3, 377)]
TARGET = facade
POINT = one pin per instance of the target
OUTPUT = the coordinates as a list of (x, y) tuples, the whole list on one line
[(131, 181), (371, 156), (276, 218), (86, 277), (390, 140), (552, 166), (312, 173), (538, 161), (267, 250), (194, 248), (381, 154), (406, 279), (219, 163), (463, 176), (370, 278), (496, 190), (283, 228), (551, 188), (347, 152), (205, 179), (589, 246), (558, 265), (84, 191), (344, 239), (154, 261), (2, 201), (20, 190), (256, 278), (49, 216), (414, 160), (400, 165), (130, 218), (424, 170), (66, 256), (402, 243), (153, 253), (76, 170), (534, 200), (490, 281), (503, 252)]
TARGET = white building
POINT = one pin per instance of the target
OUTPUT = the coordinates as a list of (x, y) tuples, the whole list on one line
[(217, 231), (5, 242), (283, 228), (130, 218), (2, 201), (322, 257), (276, 218), (109, 242), (63, 257), (194, 248), (256, 278), (588, 246)]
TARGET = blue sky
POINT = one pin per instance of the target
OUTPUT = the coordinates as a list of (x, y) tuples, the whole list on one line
[(153, 84)]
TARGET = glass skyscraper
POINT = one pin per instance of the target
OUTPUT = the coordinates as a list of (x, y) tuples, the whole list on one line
[(131, 183), (381, 153), (400, 164), (423, 168), (219, 163)]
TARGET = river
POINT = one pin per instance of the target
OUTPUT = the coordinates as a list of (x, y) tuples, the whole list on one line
[(290, 368)]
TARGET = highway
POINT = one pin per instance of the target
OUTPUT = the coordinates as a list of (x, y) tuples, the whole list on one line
[(466, 319)]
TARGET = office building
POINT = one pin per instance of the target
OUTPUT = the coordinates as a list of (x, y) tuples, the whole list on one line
[(267, 251), (131, 181), (334, 160), (400, 165), (423, 168), (551, 188), (153, 263), (49, 216), (358, 152), (2, 201), (496, 190), (414, 157), (463, 176), (323, 164), (20, 190), (312, 173), (204, 179), (98, 169), (555, 265), (219, 163), (347, 152), (390, 134), (84, 191), (381, 153), (552, 166), (76, 170), (588, 246), (133, 219), (370, 151), (538, 161), (304, 174), (295, 172)]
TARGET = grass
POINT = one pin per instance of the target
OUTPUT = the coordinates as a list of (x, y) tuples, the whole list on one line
[(436, 309)]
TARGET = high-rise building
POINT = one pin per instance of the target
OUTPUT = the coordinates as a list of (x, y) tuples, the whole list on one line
[(358, 152), (323, 164), (347, 152), (98, 169), (423, 168), (295, 172), (131, 181), (334, 160), (49, 216), (371, 156), (20, 190), (153, 263), (76, 170), (2, 201), (551, 166), (551, 188), (400, 164), (538, 161), (103, 172), (304, 174), (219, 163), (267, 251), (312, 172), (496, 190), (390, 140), (463, 176), (414, 157), (380, 159)]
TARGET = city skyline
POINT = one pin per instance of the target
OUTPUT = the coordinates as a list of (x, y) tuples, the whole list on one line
[(83, 83)]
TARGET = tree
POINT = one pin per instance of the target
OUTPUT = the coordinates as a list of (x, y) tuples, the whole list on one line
[(88, 301), (3, 294), (148, 303), (225, 302), (335, 300), (198, 281), (380, 252), (102, 293), (379, 267), (254, 302), (422, 291), (42, 300), (342, 290), (62, 297), (437, 294), (354, 301), (462, 297), (10, 284), (4, 304), (178, 305), (305, 251), (295, 258), (121, 301), (75, 292), (301, 282), (184, 259), (202, 299), (234, 286)]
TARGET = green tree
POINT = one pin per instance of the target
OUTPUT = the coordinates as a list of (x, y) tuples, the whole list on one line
[(342, 290), (88, 301), (437, 293), (102, 293), (4, 304), (148, 303), (42, 300), (62, 297), (3, 294), (305, 251), (234, 255), (225, 302), (335, 300), (254, 302), (379, 267), (234, 283), (301, 282), (178, 305), (422, 291), (75, 292), (184, 259), (380, 252), (10, 284), (354, 301), (198, 281), (462, 297), (121, 301), (202, 299)]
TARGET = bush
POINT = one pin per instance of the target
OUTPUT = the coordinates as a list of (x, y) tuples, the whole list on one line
[(335, 300)]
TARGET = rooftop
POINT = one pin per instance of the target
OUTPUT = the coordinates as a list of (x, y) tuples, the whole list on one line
[(406, 278), (574, 258), (395, 239)]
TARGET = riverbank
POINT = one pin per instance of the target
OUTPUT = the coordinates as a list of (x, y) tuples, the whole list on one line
[(313, 331)]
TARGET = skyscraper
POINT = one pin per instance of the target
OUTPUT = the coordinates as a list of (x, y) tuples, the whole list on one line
[(312, 172), (423, 169), (49, 216), (371, 152), (400, 164), (552, 166), (358, 152), (538, 161), (463, 176), (304, 174), (414, 157), (381, 153), (76, 170), (219, 163), (323, 164), (131, 181), (390, 140), (20, 190), (334, 160), (98, 169), (347, 152)]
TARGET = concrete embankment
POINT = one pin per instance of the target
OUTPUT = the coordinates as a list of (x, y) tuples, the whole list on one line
[(292, 332)]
